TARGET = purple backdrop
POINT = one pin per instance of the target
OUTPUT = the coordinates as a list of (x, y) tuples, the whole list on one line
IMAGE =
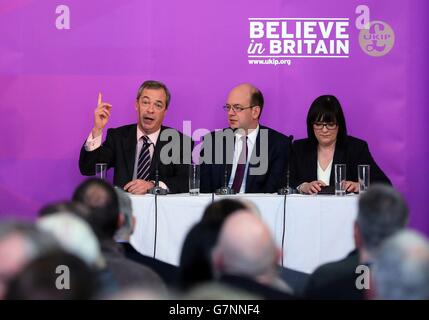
[(50, 77)]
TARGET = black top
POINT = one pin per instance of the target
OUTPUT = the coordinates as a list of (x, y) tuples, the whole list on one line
[(352, 152), (168, 272), (336, 280), (119, 151), (249, 285)]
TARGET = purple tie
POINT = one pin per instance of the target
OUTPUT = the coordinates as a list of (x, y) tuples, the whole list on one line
[(241, 166)]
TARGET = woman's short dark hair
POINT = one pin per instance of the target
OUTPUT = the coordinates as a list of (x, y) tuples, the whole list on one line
[(326, 108)]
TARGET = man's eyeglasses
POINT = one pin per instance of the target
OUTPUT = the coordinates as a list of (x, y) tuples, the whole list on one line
[(329, 126), (236, 107)]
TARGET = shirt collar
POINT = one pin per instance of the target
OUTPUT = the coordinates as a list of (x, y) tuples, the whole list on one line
[(153, 137), (251, 137)]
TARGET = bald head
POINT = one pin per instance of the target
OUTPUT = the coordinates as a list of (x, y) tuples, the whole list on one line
[(245, 247)]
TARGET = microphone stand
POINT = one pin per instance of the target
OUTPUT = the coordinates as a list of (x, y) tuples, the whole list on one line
[(287, 189), (225, 190), (157, 190)]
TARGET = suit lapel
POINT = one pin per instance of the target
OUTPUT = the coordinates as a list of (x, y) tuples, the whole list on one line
[(228, 159), (312, 162), (130, 143)]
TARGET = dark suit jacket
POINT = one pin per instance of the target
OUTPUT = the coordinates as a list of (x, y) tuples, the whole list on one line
[(251, 286), (336, 280), (213, 175), (127, 273), (352, 152), (119, 151), (166, 271)]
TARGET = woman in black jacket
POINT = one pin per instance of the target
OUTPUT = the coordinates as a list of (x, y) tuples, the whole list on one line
[(314, 158)]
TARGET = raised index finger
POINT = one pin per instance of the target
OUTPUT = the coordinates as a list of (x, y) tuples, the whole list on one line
[(99, 98)]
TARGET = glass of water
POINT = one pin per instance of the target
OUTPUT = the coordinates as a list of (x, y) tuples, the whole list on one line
[(340, 179), (363, 176), (194, 179)]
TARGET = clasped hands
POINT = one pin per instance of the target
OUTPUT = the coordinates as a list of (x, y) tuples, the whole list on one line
[(315, 187)]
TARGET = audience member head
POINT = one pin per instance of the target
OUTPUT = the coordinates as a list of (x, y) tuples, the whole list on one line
[(75, 236), (246, 248), (72, 207), (381, 212), (19, 244), (100, 197), (216, 213), (53, 276), (401, 268), (126, 217), (195, 259)]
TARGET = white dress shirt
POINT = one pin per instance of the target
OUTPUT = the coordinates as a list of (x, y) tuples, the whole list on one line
[(93, 143), (251, 141), (324, 175)]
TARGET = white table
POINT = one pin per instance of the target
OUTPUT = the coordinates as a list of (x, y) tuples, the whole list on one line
[(318, 229)]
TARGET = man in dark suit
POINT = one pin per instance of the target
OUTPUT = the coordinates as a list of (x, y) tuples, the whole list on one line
[(126, 225), (105, 219), (136, 151), (381, 213), (247, 156)]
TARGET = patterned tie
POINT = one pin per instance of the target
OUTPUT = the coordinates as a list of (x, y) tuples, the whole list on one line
[(241, 166), (144, 160)]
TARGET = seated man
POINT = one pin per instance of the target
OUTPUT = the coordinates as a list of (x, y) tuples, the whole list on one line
[(104, 218), (247, 157), (136, 151), (381, 213)]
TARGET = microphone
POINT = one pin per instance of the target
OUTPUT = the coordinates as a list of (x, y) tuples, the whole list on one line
[(224, 190), (287, 189), (157, 190)]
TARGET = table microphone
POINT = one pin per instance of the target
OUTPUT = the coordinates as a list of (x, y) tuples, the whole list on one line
[(287, 189), (225, 189), (157, 190)]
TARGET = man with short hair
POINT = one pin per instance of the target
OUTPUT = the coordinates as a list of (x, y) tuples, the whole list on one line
[(401, 268), (139, 151), (127, 222), (100, 197), (381, 212), (247, 157), (20, 243)]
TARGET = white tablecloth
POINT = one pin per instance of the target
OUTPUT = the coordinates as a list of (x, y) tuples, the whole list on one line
[(318, 229)]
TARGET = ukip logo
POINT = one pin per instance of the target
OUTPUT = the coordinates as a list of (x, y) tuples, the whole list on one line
[(378, 39)]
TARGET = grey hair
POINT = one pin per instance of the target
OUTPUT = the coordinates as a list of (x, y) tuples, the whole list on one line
[(401, 267), (382, 211), (152, 84), (126, 209), (37, 242)]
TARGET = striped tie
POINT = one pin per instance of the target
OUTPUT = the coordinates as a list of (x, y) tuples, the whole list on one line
[(144, 160)]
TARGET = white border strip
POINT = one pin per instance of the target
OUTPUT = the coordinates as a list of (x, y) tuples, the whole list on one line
[(298, 56), (277, 19)]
